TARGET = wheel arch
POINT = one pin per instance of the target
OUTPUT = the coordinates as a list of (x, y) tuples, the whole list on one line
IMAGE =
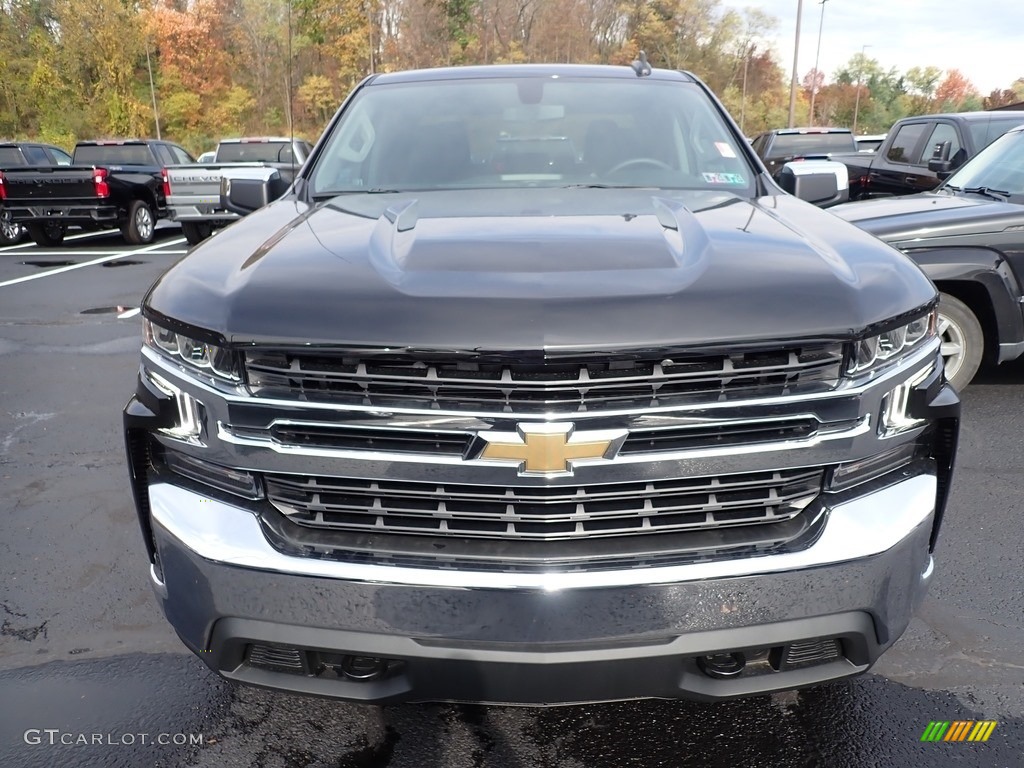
[(982, 279)]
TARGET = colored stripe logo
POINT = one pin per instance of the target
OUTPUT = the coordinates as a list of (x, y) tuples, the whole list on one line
[(959, 730)]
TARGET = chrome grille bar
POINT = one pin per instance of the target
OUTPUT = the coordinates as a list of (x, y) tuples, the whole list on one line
[(531, 387), (521, 512)]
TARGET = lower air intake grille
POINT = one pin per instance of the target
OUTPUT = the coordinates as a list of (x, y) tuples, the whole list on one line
[(276, 657), (808, 652)]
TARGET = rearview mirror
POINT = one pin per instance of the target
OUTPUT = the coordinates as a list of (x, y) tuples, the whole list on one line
[(822, 182)]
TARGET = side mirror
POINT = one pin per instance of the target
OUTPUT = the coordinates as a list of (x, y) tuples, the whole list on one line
[(940, 164), (822, 182)]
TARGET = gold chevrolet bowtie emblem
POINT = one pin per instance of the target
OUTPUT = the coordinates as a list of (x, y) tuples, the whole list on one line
[(547, 449)]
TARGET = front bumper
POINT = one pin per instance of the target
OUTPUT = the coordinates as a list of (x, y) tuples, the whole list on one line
[(534, 637)]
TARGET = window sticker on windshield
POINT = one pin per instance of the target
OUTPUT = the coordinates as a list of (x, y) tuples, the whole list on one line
[(723, 178), (724, 149)]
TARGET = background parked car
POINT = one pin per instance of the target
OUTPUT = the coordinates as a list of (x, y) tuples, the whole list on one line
[(900, 165), (779, 146), (15, 154), (870, 142), (968, 237), (109, 183), (251, 172)]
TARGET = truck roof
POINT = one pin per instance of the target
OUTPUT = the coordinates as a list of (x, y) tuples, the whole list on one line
[(105, 142), (970, 117), (491, 72), (822, 129), (259, 140)]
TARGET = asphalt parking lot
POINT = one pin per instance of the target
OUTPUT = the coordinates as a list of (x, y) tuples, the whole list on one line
[(84, 650)]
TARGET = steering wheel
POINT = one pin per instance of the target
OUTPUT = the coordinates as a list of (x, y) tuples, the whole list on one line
[(639, 161)]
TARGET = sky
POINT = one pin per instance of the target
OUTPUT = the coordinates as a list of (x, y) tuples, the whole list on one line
[(984, 39)]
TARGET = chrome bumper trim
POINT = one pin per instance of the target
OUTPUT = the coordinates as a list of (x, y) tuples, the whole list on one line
[(861, 528)]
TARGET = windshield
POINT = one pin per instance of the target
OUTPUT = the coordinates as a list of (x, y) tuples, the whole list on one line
[(787, 144), (1000, 166), (254, 151), (530, 132), (113, 154)]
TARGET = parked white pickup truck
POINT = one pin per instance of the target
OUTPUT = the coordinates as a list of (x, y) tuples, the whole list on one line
[(194, 192)]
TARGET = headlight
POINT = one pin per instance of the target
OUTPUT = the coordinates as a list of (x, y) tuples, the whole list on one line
[(877, 351), (201, 355)]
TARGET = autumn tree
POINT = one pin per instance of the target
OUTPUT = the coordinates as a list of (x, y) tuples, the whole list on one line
[(956, 93)]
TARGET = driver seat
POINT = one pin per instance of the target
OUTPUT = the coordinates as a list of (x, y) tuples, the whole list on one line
[(606, 145)]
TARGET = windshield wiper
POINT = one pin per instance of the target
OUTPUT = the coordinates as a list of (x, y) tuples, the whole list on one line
[(609, 186), (995, 194), (373, 191)]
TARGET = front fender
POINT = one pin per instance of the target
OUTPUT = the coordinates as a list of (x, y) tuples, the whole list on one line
[(988, 269)]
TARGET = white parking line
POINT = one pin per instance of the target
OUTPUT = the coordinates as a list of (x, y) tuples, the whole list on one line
[(130, 313), (81, 236), (68, 253), (116, 255)]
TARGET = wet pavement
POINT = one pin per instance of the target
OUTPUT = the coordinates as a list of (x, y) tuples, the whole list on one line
[(91, 675)]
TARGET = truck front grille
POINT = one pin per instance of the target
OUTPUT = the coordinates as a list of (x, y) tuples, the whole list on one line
[(545, 512), (643, 380)]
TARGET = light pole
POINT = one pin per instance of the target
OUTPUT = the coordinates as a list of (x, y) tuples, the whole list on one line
[(152, 92), (743, 99), (860, 74), (796, 56), (817, 55)]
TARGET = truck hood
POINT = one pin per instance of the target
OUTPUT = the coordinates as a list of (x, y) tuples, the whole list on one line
[(539, 269), (929, 216)]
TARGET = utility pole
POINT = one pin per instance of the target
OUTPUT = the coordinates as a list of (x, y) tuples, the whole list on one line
[(817, 56), (860, 75), (748, 52), (796, 56), (152, 92)]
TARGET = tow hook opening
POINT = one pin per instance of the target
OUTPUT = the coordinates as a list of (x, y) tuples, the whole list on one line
[(362, 668), (722, 665)]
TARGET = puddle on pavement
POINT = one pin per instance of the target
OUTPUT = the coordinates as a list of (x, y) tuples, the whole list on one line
[(123, 263), (48, 263)]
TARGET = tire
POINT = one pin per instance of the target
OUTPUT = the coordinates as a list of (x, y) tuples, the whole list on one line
[(10, 233), (963, 341), (140, 226), (48, 234), (196, 231)]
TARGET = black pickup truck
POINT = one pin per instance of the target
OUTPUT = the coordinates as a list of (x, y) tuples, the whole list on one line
[(17, 154), (782, 145), (918, 152), (968, 237), (467, 416), (108, 184)]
